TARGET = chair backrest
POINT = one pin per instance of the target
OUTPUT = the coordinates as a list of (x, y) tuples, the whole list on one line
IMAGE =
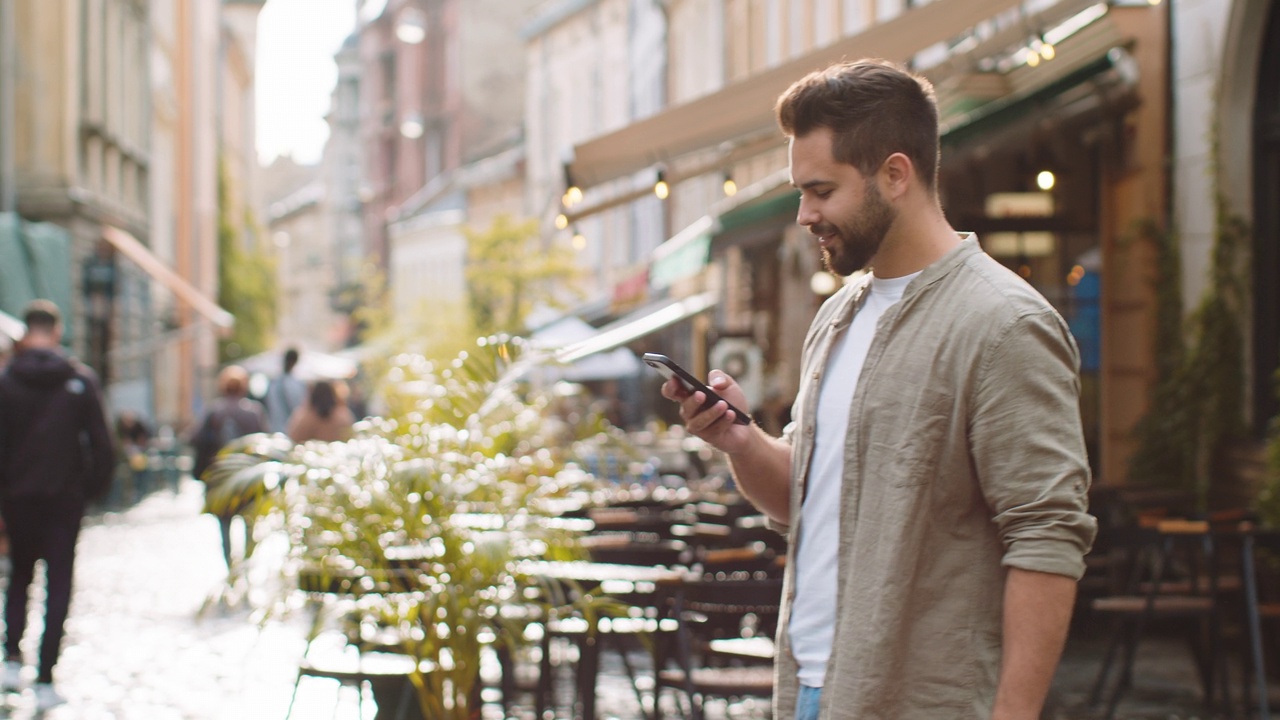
[(657, 552), (729, 608)]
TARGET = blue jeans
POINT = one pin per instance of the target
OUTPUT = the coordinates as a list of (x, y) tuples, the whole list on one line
[(807, 703)]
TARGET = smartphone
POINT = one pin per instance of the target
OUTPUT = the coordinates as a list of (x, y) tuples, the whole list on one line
[(670, 369)]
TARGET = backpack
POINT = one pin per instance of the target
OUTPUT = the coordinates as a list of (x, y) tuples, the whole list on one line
[(218, 430)]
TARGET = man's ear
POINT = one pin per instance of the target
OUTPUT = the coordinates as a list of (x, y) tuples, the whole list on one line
[(895, 175)]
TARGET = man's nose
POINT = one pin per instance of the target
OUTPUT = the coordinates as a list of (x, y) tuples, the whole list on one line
[(806, 216)]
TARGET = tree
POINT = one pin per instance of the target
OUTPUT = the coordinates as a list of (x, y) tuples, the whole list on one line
[(246, 280), (508, 274)]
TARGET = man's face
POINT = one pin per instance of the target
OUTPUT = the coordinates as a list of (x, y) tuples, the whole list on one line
[(841, 207)]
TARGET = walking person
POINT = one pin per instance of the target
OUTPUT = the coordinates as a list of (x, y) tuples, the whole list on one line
[(231, 415), (324, 416), (936, 458), (56, 454), (285, 394)]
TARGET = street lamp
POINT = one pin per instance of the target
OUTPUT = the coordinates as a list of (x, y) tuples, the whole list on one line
[(412, 126), (411, 26)]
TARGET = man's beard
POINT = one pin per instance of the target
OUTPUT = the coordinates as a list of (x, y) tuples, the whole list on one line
[(857, 241)]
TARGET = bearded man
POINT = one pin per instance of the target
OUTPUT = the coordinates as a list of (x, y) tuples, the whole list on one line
[(936, 461)]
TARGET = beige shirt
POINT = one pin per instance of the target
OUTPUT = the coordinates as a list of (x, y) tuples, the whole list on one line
[(964, 456)]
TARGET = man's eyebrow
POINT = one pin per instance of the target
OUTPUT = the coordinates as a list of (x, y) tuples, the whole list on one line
[(811, 184)]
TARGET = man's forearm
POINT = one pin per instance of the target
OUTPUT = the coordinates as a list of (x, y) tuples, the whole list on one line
[(762, 471), (1037, 613)]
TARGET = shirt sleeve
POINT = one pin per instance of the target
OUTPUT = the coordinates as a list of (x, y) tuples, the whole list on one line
[(1028, 446)]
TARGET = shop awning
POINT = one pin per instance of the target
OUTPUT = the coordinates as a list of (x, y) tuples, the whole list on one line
[(688, 251), (637, 325), (569, 330), (746, 108), (1092, 50), (129, 246), (11, 327)]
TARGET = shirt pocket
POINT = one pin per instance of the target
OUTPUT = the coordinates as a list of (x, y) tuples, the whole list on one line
[(910, 439)]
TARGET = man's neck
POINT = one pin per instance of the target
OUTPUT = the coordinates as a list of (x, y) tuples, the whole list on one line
[(920, 237), (40, 341)]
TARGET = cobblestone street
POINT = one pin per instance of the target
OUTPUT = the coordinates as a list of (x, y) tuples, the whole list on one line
[(139, 646)]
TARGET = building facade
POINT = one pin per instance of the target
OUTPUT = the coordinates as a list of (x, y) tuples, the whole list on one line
[(442, 105), (121, 108), (1226, 163), (80, 131)]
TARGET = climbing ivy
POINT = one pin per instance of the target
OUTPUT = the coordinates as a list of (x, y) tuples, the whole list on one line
[(1196, 403)]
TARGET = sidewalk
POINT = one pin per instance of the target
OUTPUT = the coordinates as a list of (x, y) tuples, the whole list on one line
[(135, 647), (138, 647)]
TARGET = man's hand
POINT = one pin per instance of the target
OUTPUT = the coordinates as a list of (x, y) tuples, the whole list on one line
[(760, 464), (714, 424)]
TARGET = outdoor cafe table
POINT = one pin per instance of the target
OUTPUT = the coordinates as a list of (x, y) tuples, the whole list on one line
[(636, 583)]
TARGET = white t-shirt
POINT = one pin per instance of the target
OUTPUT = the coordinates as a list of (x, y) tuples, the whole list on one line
[(813, 613)]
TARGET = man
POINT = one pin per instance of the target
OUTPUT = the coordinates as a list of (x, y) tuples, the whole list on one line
[(936, 460), (284, 394), (55, 454)]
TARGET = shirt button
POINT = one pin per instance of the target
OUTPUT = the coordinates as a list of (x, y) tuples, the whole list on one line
[(817, 374)]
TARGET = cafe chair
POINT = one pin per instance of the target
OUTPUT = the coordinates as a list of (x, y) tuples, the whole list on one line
[(642, 623), (386, 675), (1173, 574), (346, 645), (1260, 548), (710, 610)]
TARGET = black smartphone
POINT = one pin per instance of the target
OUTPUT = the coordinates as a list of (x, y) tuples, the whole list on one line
[(670, 369)]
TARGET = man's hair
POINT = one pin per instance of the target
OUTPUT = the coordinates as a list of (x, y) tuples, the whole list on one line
[(873, 108), (42, 315), (233, 381), (290, 359)]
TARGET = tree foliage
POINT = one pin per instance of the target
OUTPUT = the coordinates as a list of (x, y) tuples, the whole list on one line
[(246, 279), (508, 273)]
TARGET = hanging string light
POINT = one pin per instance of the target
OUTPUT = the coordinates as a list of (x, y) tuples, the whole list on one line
[(661, 188), (730, 187)]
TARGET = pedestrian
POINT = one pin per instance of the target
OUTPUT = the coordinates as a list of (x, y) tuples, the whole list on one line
[(56, 454), (936, 458), (285, 393), (134, 437), (324, 416), (231, 415)]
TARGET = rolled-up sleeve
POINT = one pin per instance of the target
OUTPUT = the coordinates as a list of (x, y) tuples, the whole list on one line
[(1028, 446)]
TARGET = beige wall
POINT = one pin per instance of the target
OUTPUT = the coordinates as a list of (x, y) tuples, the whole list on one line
[(307, 275), (1133, 192)]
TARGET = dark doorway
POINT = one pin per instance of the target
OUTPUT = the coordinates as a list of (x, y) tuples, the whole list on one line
[(1266, 249)]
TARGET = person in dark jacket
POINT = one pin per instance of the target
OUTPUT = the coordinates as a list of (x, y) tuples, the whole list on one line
[(56, 454), (231, 415)]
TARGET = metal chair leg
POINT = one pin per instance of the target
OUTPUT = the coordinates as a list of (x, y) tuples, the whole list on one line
[(1255, 628)]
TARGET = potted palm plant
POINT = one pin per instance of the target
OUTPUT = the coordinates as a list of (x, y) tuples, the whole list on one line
[(429, 511)]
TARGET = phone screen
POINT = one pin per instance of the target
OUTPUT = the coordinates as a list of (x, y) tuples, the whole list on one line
[(669, 369)]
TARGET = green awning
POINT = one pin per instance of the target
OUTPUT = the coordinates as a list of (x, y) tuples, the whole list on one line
[(787, 204), (681, 263), (35, 262)]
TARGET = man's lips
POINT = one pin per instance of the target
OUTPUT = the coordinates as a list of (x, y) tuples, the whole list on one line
[(826, 236)]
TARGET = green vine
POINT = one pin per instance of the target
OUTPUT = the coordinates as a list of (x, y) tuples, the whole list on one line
[(1196, 404), (1165, 434)]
